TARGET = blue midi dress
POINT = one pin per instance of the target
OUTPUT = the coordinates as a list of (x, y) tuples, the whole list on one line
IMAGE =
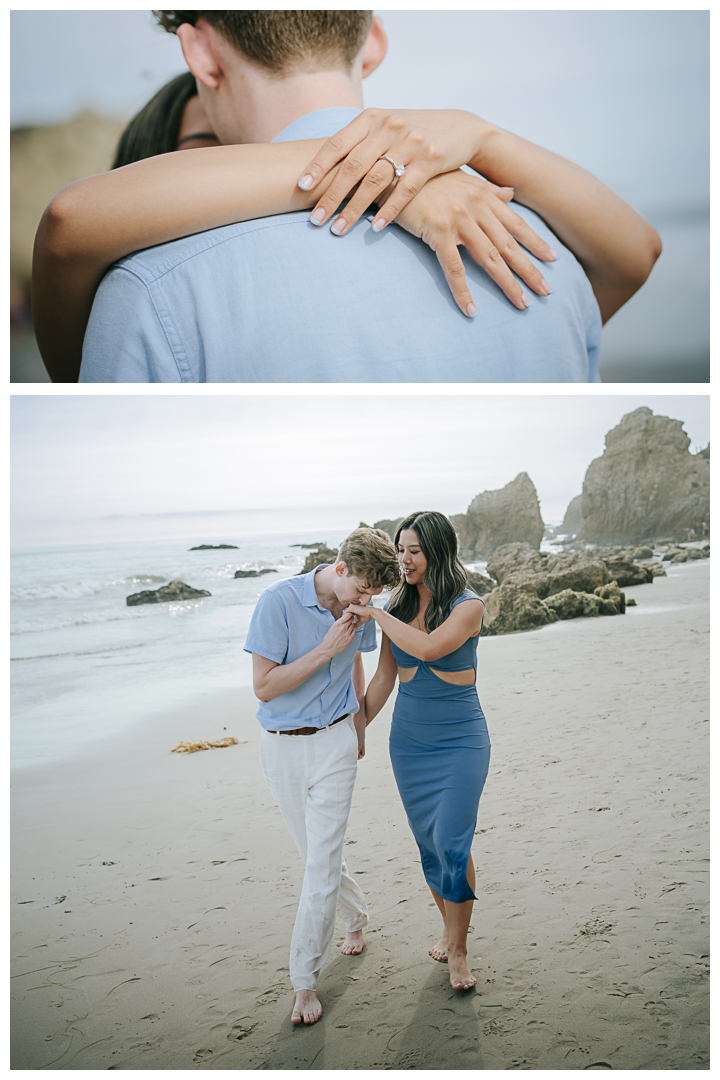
[(440, 753)]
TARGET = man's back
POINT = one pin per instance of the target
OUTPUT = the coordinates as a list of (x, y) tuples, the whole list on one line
[(279, 300)]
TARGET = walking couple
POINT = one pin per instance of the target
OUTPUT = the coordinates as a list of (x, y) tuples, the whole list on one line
[(307, 636)]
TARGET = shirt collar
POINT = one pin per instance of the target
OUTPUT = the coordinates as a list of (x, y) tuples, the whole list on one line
[(320, 124), (310, 597)]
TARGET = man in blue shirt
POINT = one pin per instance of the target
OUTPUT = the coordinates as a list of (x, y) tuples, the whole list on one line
[(308, 676), (277, 300)]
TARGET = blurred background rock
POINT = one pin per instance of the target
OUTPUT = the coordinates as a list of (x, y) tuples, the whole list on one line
[(623, 93)]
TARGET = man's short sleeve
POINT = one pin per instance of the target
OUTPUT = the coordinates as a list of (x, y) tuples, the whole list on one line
[(269, 635), (125, 340), (368, 641)]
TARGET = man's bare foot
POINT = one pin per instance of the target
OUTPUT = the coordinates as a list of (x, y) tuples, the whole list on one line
[(461, 977), (307, 1007), (353, 943), (439, 951)]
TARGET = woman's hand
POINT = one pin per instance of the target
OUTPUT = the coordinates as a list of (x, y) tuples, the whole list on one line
[(457, 210), (425, 142), (445, 211), (363, 613)]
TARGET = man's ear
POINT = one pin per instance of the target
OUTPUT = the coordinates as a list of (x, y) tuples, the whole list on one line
[(199, 52), (340, 568), (374, 48)]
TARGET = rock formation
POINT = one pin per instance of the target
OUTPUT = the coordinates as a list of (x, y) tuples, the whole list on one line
[(626, 572), (677, 553), (512, 607), (389, 525), (321, 554), (479, 583), (214, 547), (572, 523), (509, 608), (519, 564), (175, 590), (574, 605), (646, 484), (612, 599), (253, 573), (500, 517)]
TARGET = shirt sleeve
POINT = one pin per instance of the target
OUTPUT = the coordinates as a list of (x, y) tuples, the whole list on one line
[(368, 641), (269, 635), (125, 340)]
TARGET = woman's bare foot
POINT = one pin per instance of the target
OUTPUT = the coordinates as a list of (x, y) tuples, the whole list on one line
[(307, 1007), (461, 977), (353, 943), (439, 951)]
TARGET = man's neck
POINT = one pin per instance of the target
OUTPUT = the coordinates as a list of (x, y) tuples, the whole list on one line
[(324, 581), (265, 107)]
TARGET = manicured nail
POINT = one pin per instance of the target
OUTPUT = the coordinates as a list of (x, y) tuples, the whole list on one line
[(555, 254), (526, 300), (471, 310), (318, 216), (338, 226), (546, 286), (379, 224), (305, 182)]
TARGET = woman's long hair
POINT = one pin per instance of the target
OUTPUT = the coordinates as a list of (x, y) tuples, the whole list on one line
[(156, 127), (445, 577)]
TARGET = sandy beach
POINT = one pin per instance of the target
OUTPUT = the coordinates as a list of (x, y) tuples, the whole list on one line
[(154, 893)]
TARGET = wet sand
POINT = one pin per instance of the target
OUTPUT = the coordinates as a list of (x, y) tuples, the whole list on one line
[(154, 893)]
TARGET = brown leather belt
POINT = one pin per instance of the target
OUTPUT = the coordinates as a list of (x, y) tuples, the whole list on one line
[(309, 730)]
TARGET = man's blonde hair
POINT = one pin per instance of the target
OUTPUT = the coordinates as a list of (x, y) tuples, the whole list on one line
[(284, 41), (371, 558)]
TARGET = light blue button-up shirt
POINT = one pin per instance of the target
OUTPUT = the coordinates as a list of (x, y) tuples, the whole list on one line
[(288, 622), (279, 300)]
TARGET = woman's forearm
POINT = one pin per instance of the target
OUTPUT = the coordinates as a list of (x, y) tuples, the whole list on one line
[(447, 637), (94, 222), (615, 245), (379, 690)]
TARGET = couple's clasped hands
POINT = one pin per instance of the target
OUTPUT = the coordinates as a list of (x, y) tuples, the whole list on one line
[(433, 199)]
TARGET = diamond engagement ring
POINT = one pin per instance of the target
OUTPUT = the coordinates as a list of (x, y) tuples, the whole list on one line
[(399, 169)]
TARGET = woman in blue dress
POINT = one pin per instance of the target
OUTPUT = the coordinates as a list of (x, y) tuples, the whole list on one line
[(439, 743)]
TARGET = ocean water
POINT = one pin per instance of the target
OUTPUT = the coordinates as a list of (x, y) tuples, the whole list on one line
[(85, 666)]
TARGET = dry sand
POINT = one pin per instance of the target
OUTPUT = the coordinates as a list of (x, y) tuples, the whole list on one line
[(154, 894)]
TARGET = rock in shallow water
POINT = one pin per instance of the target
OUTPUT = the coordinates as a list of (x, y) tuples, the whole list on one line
[(175, 590), (215, 547)]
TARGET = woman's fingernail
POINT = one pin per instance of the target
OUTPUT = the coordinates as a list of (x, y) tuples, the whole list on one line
[(546, 286), (379, 224), (318, 216), (526, 300), (471, 310), (305, 182), (338, 226), (555, 254)]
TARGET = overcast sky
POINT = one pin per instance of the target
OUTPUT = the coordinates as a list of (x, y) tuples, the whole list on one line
[(624, 93), (91, 456)]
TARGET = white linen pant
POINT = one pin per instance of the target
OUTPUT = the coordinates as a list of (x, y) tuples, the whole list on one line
[(311, 778)]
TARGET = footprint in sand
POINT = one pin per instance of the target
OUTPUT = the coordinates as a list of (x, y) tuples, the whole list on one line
[(201, 1055)]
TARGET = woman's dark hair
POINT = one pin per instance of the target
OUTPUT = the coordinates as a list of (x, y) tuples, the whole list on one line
[(445, 576), (155, 129)]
